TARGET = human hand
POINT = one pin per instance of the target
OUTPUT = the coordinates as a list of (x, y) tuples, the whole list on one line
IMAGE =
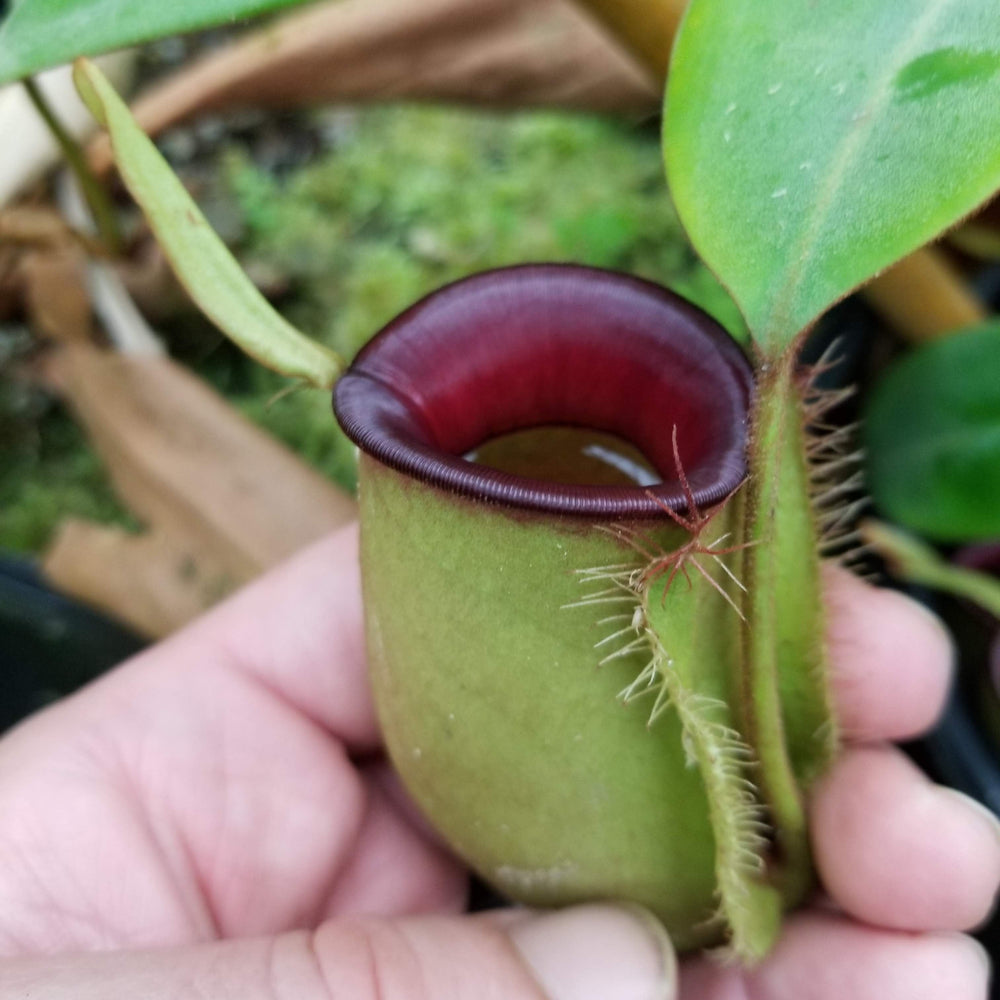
[(213, 820)]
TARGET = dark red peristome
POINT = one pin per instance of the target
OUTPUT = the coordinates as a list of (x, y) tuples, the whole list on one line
[(552, 344)]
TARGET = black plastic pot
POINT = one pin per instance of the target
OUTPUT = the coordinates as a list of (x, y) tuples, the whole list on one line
[(49, 644)]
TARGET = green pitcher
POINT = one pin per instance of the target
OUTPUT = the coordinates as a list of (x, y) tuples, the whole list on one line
[(554, 662)]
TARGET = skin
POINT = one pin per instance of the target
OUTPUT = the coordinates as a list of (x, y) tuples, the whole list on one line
[(227, 785)]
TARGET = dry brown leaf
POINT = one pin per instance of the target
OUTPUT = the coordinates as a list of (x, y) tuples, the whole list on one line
[(501, 53), (40, 227), (11, 282), (187, 464), (148, 581), (41, 271), (55, 294)]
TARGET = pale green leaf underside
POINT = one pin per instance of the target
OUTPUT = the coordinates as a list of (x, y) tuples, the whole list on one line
[(809, 145), (201, 261), (41, 33)]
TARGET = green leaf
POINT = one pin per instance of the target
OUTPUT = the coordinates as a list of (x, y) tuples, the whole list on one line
[(809, 145), (913, 560), (41, 33), (200, 260), (932, 434)]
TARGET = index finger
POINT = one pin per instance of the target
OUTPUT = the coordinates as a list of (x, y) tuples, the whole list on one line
[(297, 631), (890, 660)]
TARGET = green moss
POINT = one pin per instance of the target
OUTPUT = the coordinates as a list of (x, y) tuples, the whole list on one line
[(419, 196), (48, 476), (303, 419)]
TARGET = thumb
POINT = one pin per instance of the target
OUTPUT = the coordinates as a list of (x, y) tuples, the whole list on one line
[(593, 952)]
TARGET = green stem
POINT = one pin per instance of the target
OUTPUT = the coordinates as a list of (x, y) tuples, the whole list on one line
[(786, 701), (692, 629), (915, 561), (94, 192)]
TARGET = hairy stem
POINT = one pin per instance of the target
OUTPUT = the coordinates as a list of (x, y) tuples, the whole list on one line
[(692, 627), (785, 699), (685, 625)]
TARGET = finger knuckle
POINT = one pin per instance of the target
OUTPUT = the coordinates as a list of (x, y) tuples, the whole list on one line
[(367, 960)]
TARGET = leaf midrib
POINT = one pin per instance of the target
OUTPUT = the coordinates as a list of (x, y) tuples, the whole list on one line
[(777, 324)]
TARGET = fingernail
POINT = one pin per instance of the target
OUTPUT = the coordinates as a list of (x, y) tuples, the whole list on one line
[(598, 952), (975, 806)]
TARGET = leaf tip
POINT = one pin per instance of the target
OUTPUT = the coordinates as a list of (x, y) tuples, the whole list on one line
[(85, 78)]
